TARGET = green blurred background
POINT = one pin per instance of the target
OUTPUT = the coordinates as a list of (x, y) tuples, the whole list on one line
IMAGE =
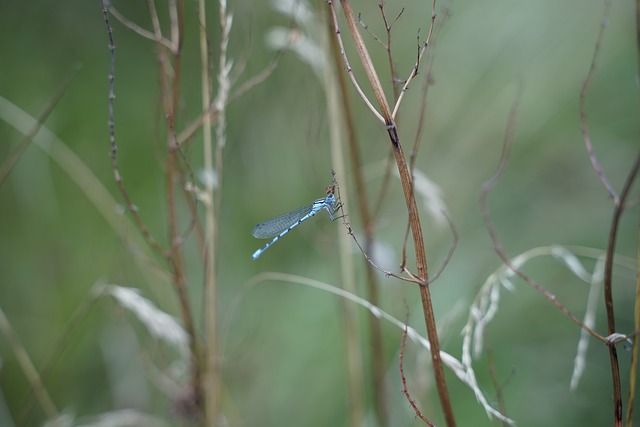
[(283, 350)]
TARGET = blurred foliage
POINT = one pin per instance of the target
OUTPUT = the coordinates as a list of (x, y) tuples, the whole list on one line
[(283, 357)]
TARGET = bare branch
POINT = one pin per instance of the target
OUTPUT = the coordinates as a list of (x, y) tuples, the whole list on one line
[(405, 389), (366, 28), (348, 66), (131, 207), (633, 369), (583, 115), (412, 279), (414, 72), (486, 188), (139, 30)]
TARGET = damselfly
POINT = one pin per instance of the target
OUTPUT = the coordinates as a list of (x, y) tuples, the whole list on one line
[(281, 225)]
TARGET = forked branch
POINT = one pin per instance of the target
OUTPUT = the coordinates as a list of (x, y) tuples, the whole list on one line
[(407, 186)]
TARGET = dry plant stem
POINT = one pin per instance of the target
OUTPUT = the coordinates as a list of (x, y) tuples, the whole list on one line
[(608, 289), (427, 83), (138, 30), (377, 356), (170, 104), (211, 386), (28, 368), (405, 389), (366, 28), (220, 104), (619, 205), (394, 84), (170, 90), (131, 207), (633, 369), (447, 259), (452, 249), (7, 166), (414, 218), (486, 216), (410, 279), (583, 94), (387, 27), (163, 60), (258, 78), (190, 196), (382, 192), (348, 66), (414, 72), (365, 59), (350, 324), (190, 131)]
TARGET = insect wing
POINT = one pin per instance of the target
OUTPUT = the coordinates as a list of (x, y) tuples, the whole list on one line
[(277, 225)]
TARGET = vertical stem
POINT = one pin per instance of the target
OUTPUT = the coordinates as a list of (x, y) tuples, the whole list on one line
[(211, 386), (421, 265), (414, 218), (170, 87), (377, 357), (347, 271), (634, 350), (608, 290)]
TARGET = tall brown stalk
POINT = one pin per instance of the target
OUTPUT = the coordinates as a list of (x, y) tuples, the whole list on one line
[(386, 115)]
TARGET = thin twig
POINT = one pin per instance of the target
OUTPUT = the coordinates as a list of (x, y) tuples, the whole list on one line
[(459, 368), (619, 206), (387, 27), (187, 178), (414, 72), (131, 207), (139, 30), (364, 253), (348, 66), (452, 249), (365, 60), (165, 66), (484, 209), (633, 369), (405, 389), (366, 28), (190, 131), (412, 208), (608, 289), (426, 84), (258, 78), (169, 76), (583, 114)]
